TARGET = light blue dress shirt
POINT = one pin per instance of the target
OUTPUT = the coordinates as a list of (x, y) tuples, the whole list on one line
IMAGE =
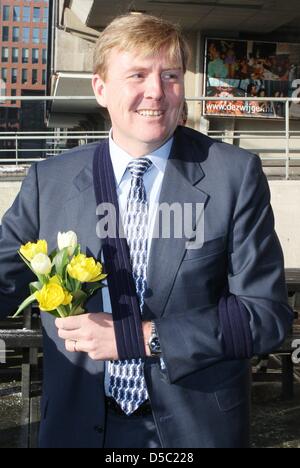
[(153, 182)]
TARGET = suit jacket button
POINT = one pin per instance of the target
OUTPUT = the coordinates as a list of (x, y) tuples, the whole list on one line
[(99, 429)]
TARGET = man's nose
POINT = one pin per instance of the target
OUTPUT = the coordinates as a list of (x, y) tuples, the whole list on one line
[(154, 88)]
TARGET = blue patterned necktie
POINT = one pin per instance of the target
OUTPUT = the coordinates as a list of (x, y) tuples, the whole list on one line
[(126, 378)]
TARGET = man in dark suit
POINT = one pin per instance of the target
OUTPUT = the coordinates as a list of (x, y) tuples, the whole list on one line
[(170, 366)]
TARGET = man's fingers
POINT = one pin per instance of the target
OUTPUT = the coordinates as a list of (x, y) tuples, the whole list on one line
[(79, 346), (71, 346), (69, 323), (68, 334)]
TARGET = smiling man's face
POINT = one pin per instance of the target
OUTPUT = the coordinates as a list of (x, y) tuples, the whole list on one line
[(144, 97)]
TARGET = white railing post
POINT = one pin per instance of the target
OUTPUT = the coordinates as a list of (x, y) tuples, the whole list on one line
[(17, 150), (287, 140)]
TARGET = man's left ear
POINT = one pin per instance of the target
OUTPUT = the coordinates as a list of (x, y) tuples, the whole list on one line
[(99, 90)]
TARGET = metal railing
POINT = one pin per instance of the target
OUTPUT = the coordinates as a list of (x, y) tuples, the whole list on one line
[(55, 141)]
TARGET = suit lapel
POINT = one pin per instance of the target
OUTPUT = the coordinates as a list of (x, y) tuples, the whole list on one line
[(183, 173), (80, 209)]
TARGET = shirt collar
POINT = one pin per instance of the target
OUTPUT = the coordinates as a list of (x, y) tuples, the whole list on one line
[(120, 159)]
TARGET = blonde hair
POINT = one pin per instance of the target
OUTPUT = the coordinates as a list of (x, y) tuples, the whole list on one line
[(141, 33)]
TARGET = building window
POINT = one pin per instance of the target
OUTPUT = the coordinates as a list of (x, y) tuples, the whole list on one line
[(34, 77), (44, 56), (16, 34), (16, 14), (14, 75), (13, 114), (5, 54), (25, 55), (5, 13), (45, 15), (36, 15), (15, 55), (35, 56), (45, 36), (26, 14), (5, 33), (44, 77), (13, 93), (4, 74), (26, 35), (35, 35), (24, 76)]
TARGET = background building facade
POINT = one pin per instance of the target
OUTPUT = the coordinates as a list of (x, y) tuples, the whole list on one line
[(23, 60)]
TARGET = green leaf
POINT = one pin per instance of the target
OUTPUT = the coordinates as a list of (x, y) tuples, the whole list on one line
[(26, 261), (61, 261), (93, 287), (77, 251), (53, 254), (25, 304), (72, 285), (43, 279), (34, 287), (62, 311), (77, 311), (79, 298)]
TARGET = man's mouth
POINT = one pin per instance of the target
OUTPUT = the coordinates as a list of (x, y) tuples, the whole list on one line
[(150, 113)]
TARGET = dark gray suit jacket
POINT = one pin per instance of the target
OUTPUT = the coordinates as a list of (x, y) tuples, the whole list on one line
[(202, 398)]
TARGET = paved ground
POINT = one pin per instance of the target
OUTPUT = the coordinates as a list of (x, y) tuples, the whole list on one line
[(275, 424), (10, 416)]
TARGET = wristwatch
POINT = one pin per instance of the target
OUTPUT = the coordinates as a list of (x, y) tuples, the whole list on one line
[(154, 343)]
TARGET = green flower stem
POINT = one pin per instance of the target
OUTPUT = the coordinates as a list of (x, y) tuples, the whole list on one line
[(62, 312)]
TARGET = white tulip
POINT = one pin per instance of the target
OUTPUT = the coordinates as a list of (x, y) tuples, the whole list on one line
[(67, 239), (41, 264)]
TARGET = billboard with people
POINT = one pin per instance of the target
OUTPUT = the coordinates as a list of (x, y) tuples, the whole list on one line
[(237, 68)]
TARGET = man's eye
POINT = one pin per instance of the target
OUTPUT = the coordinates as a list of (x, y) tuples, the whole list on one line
[(137, 76), (170, 76)]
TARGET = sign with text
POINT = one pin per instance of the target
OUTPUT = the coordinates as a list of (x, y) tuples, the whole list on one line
[(236, 68)]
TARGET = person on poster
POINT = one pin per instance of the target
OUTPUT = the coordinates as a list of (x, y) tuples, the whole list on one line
[(216, 65), (204, 309)]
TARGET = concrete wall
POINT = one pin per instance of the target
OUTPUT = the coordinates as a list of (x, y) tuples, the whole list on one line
[(285, 198), (8, 192), (82, 9), (72, 53), (285, 201)]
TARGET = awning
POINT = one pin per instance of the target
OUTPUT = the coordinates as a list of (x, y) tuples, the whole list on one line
[(70, 111)]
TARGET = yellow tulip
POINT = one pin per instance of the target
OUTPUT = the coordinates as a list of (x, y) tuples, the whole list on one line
[(68, 297), (85, 270), (51, 296), (55, 280), (30, 250)]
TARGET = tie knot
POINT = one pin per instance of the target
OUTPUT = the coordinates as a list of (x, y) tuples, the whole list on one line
[(138, 167)]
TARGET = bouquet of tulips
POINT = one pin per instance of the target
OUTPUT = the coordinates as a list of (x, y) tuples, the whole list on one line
[(66, 277)]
